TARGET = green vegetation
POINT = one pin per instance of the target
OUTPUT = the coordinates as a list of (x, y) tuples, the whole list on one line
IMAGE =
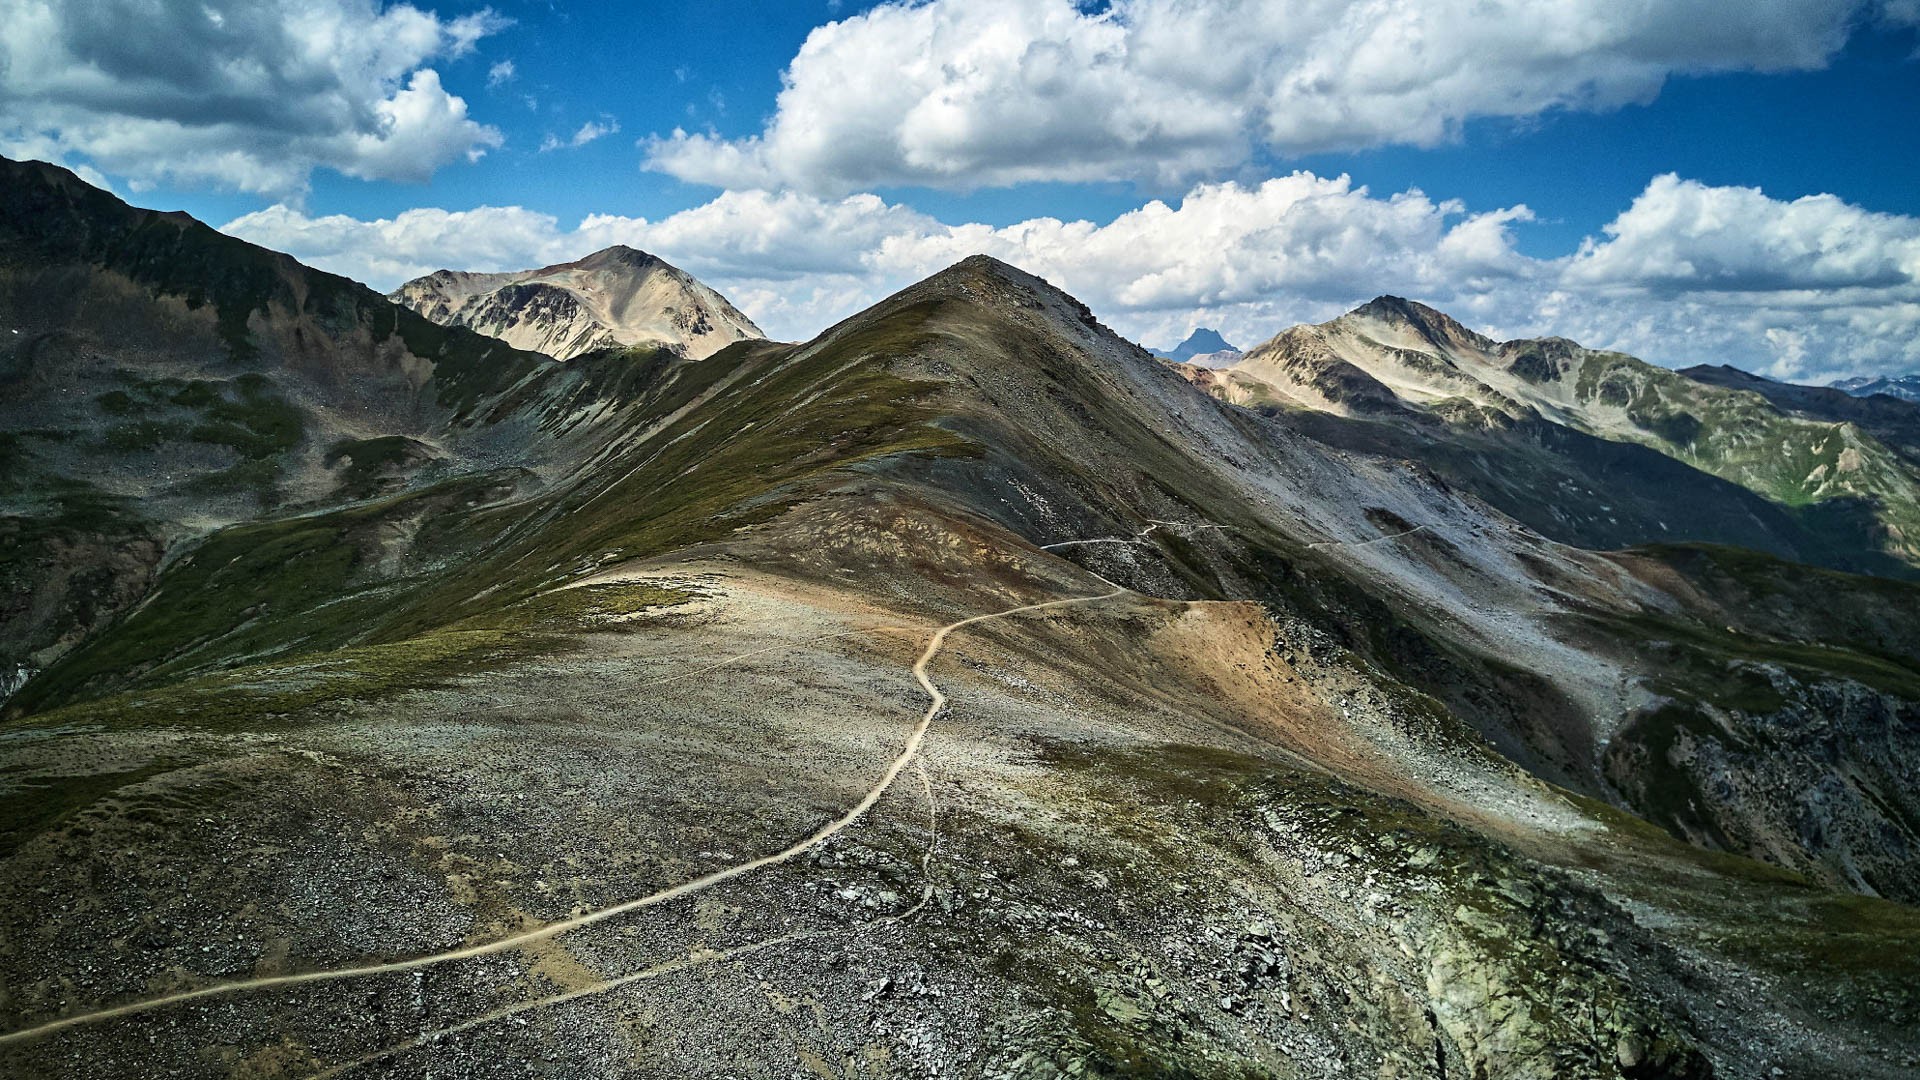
[(244, 415), (1740, 436), (222, 597), (253, 590), (306, 686), (1663, 789), (255, 423), (43, 803), (269, 588), (1838, 933), (1706, 663), (1772, 598), (120, 403), (370, 462), (747, 455)]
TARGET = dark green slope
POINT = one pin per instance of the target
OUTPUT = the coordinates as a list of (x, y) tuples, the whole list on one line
[(1603, 494)]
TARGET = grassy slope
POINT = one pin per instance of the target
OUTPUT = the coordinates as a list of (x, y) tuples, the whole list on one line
[(271, 587), (1742, 437)]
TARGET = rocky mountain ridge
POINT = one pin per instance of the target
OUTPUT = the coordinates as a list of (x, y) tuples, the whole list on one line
[(1831, 488), (612, 298), (164, 381)]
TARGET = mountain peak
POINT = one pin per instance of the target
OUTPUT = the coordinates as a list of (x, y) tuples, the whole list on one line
[(976, 267), (977, 272), (982, 263), (1905, 387), (1436, 326), (1204, 341), (619, 255), (616, 296)]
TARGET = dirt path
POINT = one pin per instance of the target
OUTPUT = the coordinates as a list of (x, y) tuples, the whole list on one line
[(937, 702), (694, 959)]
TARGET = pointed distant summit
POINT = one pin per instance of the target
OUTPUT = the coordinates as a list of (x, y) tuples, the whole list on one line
[(1204, 342), (615, 296)]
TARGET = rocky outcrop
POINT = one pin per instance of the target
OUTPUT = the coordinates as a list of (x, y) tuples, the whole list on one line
[(1822, 779)]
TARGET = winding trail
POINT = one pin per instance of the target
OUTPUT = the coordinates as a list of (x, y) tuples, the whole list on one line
[(694, 959), (937, 701)]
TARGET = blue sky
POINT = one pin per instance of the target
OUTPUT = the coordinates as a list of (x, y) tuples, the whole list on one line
[(1693, 182)]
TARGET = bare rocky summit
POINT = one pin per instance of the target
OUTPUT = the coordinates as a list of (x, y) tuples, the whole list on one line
[(612, 298)]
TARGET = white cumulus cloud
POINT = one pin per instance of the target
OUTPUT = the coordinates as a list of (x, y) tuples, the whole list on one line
[(1684, 236), (246, 94), (969, 93)]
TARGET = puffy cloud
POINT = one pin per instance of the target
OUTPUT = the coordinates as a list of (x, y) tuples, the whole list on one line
[(1798, 289), (388, 251), (1683, 236), (1251, 260), (993, 92), (248, 94)]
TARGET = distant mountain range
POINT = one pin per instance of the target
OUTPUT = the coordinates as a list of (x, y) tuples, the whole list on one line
[(1905, 387), (963, 691)]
